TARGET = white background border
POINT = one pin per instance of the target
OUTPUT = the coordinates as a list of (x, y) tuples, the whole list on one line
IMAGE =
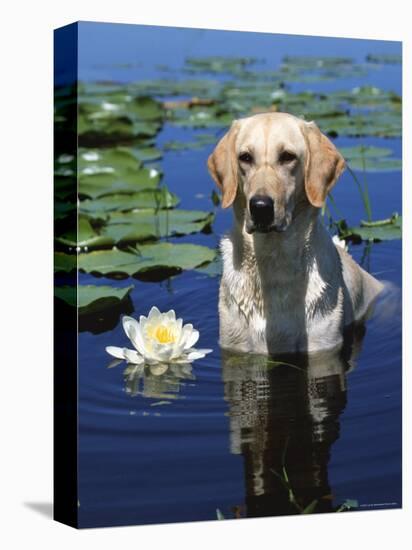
[(26, 267)]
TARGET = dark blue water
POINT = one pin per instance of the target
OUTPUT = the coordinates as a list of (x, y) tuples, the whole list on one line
[(178, 446)]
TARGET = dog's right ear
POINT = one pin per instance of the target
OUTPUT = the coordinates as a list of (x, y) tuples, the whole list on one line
[(222, 165)]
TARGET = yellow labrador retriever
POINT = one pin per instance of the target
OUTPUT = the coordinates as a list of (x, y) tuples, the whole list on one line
[(285, 287)]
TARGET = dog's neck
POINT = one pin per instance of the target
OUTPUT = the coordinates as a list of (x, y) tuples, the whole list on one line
[(290, 249)]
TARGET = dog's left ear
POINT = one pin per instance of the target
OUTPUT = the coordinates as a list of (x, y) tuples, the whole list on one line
[(222, 165), (324, 164)]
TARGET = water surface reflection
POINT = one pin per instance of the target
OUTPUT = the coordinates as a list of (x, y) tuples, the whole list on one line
[(284, 418)]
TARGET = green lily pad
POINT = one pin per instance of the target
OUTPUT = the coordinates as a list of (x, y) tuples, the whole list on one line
[(91, 299), (168, 88), (84, 236), (384, 59), (149, 224), (371, 159), (118, 118), (154, 257), (202, 140), (130, 227), (147, 154), (362, 151), (201, 117), (64, 262), (376, 164), (65, 188), (216, 64), (306, 62), (100, 185), (113, 130), (64, 209), (156, 198), (118, 160), (379, 230)]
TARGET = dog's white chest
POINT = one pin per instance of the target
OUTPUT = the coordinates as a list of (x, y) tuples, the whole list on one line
[(262, 311)]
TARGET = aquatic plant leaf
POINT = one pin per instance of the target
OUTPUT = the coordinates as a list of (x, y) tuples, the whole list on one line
[(105, 121), (217, 64), (112, 183), (376, 164), (384, 59), (84, 236), (64, 262), (201, 141), (117, 160), (156, 198), (147, 154), (378, 230), (362, 151), (151, 224), (92, 299), (315, 62), (160, 256)]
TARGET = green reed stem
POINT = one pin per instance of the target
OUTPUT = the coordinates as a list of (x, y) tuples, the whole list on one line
[(363, 192)]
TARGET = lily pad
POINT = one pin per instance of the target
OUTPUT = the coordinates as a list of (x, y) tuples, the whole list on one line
[(202, 140), (154, 257), (91, 299), (112, 130), (118, 160), (151, 224), (147, 154), (64, 263), (384, 59), (156, 198), (364, 151), (216, 64), (371, 159), (102, 184), (306, 62), (84, 236), (376, 164), (120, 118), (201, 118), (379, 230)]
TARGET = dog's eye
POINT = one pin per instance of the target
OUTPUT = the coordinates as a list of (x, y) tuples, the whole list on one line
[(286, 157), (246, 157)]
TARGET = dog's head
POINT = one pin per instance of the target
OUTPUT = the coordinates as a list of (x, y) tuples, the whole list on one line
[(272, 162)]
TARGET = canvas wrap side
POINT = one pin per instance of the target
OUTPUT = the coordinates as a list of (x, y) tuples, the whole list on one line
[(65, 319)]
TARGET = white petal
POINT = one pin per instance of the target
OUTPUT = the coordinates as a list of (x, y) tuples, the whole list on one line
[(129, 326), (197, 354), (186, 332), (162, 352), (191, 338), (170, 315), (132, 356), (133, 332), (115, 352), (154, 313)]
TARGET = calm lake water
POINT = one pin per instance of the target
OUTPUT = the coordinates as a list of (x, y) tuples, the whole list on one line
[(176, 447)]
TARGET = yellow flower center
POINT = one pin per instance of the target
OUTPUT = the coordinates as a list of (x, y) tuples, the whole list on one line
[(164, 335)]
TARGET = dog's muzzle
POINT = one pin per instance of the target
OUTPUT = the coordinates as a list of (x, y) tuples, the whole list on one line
[(262, 211), (262, 216)]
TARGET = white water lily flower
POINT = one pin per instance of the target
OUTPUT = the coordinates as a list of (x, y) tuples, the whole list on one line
[(159, 338)]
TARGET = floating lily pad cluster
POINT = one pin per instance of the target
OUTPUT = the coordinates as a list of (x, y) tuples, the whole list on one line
[(115, 223), (117, 220), (247, 89)]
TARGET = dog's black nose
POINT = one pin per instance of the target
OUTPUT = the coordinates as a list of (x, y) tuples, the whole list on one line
[(262, 210)]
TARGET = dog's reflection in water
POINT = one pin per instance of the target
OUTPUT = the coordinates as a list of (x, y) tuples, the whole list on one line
[(284, 419)]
